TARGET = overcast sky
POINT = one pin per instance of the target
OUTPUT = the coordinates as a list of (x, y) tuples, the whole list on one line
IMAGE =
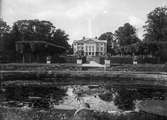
[(81, 18)]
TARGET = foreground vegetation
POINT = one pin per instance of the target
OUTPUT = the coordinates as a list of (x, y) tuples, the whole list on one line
[(20, 114)]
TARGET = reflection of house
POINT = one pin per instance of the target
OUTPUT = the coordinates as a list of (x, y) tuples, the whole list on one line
[(90, 46)]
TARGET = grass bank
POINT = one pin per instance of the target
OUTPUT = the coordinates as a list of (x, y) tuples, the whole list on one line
[(75, 67)]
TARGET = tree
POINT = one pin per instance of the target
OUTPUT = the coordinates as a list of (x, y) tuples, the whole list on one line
[(31, 30), (7, 45), (156, 33), (4, 28), (61, 38), (35, 30), (79, 53), (126, 35), (156, 25), (109, 37), (106, 36)]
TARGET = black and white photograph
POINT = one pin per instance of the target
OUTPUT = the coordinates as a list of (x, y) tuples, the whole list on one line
[(83, 59)]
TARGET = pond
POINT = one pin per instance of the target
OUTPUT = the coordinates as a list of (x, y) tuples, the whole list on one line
[(100, 98)]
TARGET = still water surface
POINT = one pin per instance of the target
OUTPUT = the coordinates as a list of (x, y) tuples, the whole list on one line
[(99, 98)]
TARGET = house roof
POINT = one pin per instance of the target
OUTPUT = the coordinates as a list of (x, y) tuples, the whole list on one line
[(89, 39)]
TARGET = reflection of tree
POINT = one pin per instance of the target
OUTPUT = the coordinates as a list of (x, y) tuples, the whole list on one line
[(124, 99), (29, 93)]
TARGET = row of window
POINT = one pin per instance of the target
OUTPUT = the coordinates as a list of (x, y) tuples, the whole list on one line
[(93, 43), (91, 48)]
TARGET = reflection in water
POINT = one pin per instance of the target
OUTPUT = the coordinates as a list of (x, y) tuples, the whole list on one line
[(72, 97), (73, 101), (154, 106)]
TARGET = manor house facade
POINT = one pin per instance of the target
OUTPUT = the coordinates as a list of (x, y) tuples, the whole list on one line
[(90, 46)]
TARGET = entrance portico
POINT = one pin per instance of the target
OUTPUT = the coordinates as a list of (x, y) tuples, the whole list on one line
[(91, 46)]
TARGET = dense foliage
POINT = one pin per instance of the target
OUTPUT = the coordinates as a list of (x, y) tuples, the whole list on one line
[(126, 40), (126, 35), (156, 33), (156, 25), (7, 45), (35, 30), (154, 43), (32, 30)]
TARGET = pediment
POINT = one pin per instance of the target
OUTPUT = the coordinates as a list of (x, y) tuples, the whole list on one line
[(90, 41)]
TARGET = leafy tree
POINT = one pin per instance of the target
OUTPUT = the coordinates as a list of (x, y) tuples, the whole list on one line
[(79, 53), (156, 33), (7, 45), (109, 37), (156, 25), (61, 38), (106, 36), (70, 50), (126, 35), (35, 30), (31, 30), (4, 28)]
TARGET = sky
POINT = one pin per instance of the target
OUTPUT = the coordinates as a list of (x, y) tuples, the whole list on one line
[(80, 18)]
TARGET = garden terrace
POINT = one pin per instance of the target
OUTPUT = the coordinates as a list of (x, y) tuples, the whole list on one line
[(114, 78)]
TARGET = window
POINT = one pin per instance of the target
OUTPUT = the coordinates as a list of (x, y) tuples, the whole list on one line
[(86, 48), (101, 48), (97, 48), (92, 48), (89, 48)]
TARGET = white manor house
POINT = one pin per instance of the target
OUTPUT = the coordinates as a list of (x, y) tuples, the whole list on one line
[(90, 46)]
